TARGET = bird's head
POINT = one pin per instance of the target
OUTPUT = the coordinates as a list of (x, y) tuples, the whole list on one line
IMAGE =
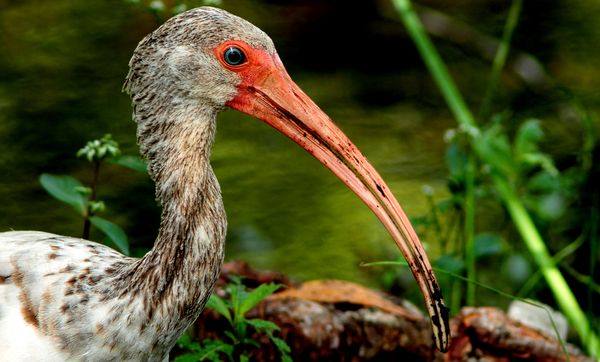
[(203, 56), (210, 57)]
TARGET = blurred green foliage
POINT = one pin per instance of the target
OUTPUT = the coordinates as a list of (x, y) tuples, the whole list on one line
[(63, 64), (163, 10), (238, 341), (82, 198), (489, 146)]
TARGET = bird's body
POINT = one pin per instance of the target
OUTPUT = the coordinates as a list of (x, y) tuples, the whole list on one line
[(68, 299), (55, 322)]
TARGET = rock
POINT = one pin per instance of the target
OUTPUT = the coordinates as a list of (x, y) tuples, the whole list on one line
[(343, 321)]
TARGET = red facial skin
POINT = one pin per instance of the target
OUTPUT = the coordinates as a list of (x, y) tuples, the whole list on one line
[(268, 93)]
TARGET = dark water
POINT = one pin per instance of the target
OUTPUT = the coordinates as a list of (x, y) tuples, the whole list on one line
[(62, 64)]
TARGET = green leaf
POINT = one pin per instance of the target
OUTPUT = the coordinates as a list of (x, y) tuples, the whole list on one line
[(487, 245), (99, 149), (96, 207), (186, 342), (217, 304), (550, 207), (131, 162), (241, 328), (256, 296), (252, 342), (225, 348), (450, 263), (527, 137), (456, 159), (539, 159), (262, 325), (237, 294), (232, 336), (445, 205), (281, 345), (526, 150), (543, 182), (209, 351), (494, 148), (64, 188), (212, 347), (113, 231), (188, 357), (517, 268), (84, 191)]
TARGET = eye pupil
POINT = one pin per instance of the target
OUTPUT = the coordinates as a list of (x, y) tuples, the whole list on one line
[(234, 56)]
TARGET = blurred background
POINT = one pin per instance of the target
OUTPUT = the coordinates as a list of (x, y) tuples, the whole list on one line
[(63, 62)]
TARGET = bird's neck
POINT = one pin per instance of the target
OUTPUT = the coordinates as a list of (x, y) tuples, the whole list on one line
[(177, 276)]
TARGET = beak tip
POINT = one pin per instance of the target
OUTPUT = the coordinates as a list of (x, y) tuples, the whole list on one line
[(440, 325)]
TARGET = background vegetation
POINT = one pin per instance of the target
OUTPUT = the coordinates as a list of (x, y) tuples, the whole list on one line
[(63, 63)]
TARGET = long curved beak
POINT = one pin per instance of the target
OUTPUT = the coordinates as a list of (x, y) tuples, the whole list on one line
[(275, 99)]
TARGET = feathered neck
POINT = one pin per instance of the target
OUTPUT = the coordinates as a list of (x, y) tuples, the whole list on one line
[(177, 276)]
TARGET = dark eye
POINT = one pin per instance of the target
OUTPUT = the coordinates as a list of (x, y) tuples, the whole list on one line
[(234, 56)]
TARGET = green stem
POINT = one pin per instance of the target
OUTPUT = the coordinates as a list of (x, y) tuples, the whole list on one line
[(456, 295), (434, 64), (562, 293), (435, 218), (500, 57), (594, 219), (584, 279), (470, 229), (86, 225), (557, 258), (88, 213)]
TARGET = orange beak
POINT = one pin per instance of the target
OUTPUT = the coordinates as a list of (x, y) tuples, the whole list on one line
[(270, 95)]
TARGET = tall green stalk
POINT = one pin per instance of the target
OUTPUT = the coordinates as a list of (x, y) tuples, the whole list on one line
[(500, 57), (434, 64), (470, 229), (523, 222), (562, 293)]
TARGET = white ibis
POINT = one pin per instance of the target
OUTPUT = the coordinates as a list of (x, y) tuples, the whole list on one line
[(68, 299)]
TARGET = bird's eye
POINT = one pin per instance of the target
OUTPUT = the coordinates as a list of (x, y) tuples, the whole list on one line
[(234, 56)]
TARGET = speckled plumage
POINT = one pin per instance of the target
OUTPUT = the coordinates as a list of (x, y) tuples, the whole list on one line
[(68, 299)]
